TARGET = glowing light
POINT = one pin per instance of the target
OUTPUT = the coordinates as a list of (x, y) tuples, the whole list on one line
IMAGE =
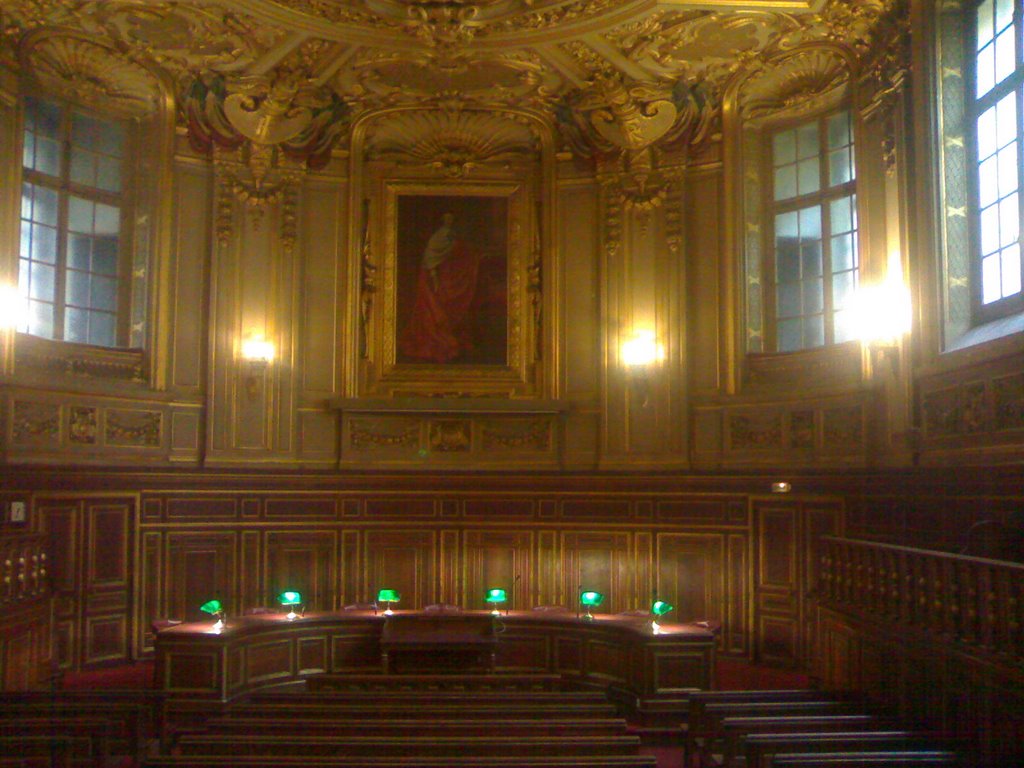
[(258, 350), (642, 349), (880, 314)]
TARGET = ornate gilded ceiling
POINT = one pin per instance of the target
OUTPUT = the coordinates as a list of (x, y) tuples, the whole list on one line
[(612, 75)]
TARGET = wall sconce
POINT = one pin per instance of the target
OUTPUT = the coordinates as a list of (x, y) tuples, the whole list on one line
[(258, 354), (881, 316), (638, 354)]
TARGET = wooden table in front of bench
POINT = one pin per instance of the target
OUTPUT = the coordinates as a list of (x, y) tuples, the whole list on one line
[(620, 653)]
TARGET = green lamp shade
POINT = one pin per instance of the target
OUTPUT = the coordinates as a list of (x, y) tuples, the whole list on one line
[(389, 596), (496, 596), (290, 598), (660, 607), (591, 598), (211, 606)]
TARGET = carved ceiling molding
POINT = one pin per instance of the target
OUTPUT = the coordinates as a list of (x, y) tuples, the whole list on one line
[(452, 144), (86, 72), (796, 83)]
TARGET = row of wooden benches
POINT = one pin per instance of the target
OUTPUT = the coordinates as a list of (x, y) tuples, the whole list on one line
[(760, 729)]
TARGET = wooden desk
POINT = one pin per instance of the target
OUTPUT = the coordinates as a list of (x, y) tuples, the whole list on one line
[(644, 669), (425, 642)]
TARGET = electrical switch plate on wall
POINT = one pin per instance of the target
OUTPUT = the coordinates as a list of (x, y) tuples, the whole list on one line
[(17, 511)]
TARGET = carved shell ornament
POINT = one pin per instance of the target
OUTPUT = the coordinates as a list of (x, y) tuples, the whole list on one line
[(265, 111)]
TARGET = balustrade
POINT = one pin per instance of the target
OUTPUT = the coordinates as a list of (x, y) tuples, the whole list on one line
[(968, 600)]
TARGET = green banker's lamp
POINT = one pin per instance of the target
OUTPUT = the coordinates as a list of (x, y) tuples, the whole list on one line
[(590, 599), (214, 608), (495, 596), (290, 599), (659, 608), (388, 596)]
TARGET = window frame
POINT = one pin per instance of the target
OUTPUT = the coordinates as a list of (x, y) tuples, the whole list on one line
[(822, 196), (65, 188), (974, 107)]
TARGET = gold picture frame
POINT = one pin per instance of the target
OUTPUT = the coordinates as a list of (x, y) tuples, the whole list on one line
[(454, 287)]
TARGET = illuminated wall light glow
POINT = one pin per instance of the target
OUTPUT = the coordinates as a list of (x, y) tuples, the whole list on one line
[(13, 315), (258, 350), (881, 314), (642, 349)]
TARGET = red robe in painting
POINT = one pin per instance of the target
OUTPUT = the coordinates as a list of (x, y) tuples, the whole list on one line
[(440, 326)]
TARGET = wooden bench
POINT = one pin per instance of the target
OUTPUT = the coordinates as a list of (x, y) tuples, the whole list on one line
[(695, 726), (735, 729), (262, 745), (490, 761), (476, 696), (450, 682), (93, 731), (710, 739), (892, 759), (759, 748)]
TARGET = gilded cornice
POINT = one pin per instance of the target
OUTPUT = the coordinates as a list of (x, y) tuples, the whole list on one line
[(615, 76)]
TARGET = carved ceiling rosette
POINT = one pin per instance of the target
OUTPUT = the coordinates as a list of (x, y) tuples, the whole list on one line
[(451, 144), (86, 72)]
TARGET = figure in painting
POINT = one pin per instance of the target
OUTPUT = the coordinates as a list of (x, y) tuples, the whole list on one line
[(440, 326)]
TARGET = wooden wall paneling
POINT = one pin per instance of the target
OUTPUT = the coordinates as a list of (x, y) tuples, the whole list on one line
[(736, 634), (450, 586), (252, 575), (777, 586), (599, 561), (549, 586), (107, 585), (25, 645), (691, 574), (496, 558), (352, 589), (646, 588), (152, 604), (303, 561), (200, 567), (402, 560), (62, 522)]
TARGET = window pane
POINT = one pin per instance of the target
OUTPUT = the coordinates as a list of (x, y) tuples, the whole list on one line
[(1011, 270), (985, 64), (79, 251), (1005, 55), (810, 222), (44, 244), (810, 258), (991, 282), (842, 253), (103, 294), (1009, 220), (785, 182), (807, 140), (784, 147), (83, 167), (842, 289), (985, 18), (80, 213), (988, 182), (76, 325), (1004, 14), (790, 335), (40, 321), (813, 295), (986, 133), (104, 255), (839, 130), (814, 331), (808, 176), (1006, 119), (840, 167), (101, 329), (108, 219), (108, 174), (844, 326), (77, 292), (97, 135), (1007, 159), (788, 299), (41, 282), (841, 214), (990, 229)]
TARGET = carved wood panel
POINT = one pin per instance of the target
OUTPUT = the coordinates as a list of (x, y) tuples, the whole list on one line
[(498, 559), (597, 561), (201, 567), (302, 561), (402, 560)]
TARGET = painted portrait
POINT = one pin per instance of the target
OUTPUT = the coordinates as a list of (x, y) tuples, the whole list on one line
[(452, 280)]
